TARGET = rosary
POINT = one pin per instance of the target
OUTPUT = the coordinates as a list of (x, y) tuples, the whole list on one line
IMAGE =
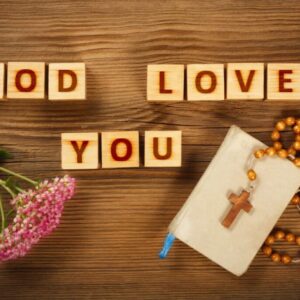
[(241, 202)]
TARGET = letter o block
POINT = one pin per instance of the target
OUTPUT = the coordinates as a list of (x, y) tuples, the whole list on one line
[(79, 151), (284, 81), (163, 148), (120, 149), (67, 81), (26, 80), (205, 82)]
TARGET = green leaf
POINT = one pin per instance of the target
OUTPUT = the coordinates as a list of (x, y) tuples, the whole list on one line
[(4, 155)]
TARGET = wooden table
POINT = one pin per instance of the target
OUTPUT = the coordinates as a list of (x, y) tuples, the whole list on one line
[(107, 244)]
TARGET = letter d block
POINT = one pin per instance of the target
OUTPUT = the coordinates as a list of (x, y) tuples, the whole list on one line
[(79, 151), (26, 80), (165, 82), (120, 149), (162, 148), (67, 81)]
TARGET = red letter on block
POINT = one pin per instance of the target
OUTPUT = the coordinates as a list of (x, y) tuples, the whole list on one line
[(114, 146)]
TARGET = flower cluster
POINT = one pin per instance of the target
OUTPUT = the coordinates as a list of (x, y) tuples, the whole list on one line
[(37, 214)]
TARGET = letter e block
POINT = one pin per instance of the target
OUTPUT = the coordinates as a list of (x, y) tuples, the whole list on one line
[(165, 82), (79, 151), (2, 70), (284, 81), (120, 149), (26, 80), (163, 148), (67, 81), (245, 81), (205, 82)]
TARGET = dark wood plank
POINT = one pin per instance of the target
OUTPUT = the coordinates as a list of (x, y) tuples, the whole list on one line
[(111, 232)]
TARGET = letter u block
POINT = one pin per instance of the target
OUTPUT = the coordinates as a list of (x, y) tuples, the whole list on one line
[(26, 80), (205, 82), (79, 151), (120, 149), (67, 81), (162, 148)]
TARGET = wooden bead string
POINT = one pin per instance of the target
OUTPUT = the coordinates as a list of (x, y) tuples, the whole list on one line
[(289, 153)]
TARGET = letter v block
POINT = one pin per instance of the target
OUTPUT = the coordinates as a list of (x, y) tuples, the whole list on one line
[(120, 149), (79, 151), (245, 81), (26, 80), (67, 81), (162, 148), (165, 82)]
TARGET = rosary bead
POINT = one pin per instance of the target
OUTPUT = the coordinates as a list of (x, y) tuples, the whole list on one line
[(286, 259), (280, 125), (259, 153), (267, 250), (297, 137), (277, 145), (290, 121), (295, 200), (296, 128), (251, 175), (271, 151), (296, 145), (279, 235), (290, 238), (282, 153), (276, 257), (270, 240), (297, 162), (275, 136), (292, 151), (298, 240)]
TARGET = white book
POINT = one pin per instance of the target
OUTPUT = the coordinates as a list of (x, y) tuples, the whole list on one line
[(199, 222)]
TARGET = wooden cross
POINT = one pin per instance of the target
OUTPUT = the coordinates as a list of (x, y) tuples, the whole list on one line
[(240, 202)]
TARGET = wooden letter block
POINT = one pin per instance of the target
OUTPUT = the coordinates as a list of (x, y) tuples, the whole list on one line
[(205, 82), (163, 148), (165, 82), (120, 149), (26, 80), (245, 81), (284, 81), (2, 69), (79, 151), (67, 81)]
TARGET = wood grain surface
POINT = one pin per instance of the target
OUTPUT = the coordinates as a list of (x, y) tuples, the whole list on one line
[(107, 244)]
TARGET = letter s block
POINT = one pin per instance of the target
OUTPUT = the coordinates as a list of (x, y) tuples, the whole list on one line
[(165, 82), (67, 81), (283, 81), (120, 149), (205, 82), (26, 80), (163, 148), (79, 151)]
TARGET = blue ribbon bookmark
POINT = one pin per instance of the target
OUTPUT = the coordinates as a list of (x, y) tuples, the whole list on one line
[(167, 245)]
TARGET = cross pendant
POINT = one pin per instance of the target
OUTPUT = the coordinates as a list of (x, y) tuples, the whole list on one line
[(240, 202)]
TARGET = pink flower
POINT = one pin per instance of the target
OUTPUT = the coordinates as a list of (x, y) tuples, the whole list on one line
[(38, 212)]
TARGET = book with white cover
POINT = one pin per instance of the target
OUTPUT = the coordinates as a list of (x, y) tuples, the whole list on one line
[(199, 222)]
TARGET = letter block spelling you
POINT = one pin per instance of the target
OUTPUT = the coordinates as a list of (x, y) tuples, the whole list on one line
[(67, 81), (120, 149), (2, 69), (26, 80), (165, 82), (162, 148), (79, 151), (283, 81), (245, 81), (205, 82)]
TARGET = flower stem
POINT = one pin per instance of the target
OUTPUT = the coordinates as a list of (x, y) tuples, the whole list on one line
[(18, 176), (2, 183), (2, 216)]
